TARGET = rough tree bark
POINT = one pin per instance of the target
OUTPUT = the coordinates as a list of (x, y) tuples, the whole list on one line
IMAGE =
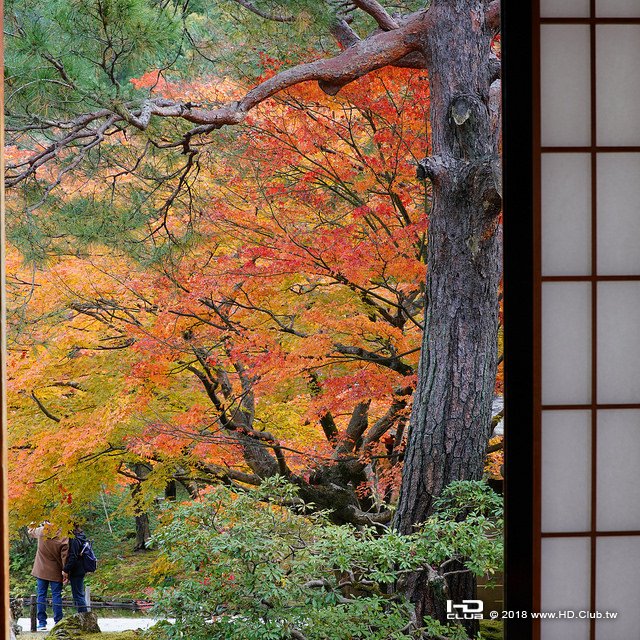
[(451, 419), (143, 529), (143, 532)]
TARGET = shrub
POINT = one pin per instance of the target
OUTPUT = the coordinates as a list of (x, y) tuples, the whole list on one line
[(255, 569)]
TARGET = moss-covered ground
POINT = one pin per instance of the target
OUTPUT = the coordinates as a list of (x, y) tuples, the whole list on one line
[(491, 630), (125, 574)]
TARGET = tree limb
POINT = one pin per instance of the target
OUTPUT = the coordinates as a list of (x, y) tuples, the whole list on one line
[(378, 13), (382, 425), (393, 363), (264, 14), (222, 472), (357, 426), (492, 448), (378, 50), (362, 517), (343, 33), (44, 409)]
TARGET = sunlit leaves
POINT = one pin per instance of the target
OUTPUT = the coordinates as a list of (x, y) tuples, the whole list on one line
[(287, 271)]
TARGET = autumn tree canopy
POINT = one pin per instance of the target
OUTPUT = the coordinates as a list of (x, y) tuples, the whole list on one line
[(284, 306), (111, 139)]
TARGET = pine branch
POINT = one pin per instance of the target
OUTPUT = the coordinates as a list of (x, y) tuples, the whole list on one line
[(89, 130), (265, 14)]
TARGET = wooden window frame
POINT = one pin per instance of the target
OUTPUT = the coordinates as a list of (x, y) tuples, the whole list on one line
[(594, 278)]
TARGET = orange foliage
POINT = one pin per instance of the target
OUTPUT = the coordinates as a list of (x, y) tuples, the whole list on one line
[(296, 291)]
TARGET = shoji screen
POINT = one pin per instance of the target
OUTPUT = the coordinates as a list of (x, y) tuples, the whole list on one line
[(588, 297)]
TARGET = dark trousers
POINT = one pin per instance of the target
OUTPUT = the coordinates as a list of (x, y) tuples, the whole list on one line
[(56, 598), (77, 591)]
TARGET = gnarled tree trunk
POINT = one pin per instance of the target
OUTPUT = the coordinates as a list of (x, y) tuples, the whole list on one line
[(143, 529), (451, 419)]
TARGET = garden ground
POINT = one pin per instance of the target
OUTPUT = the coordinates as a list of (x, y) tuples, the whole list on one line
[(105, 624)]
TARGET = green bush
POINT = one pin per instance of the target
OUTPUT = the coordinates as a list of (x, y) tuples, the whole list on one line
[(257, 570)]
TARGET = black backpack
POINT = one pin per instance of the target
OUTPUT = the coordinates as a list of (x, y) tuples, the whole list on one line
[(87, 558)]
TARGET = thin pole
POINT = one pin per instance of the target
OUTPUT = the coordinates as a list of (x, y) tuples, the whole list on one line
[(106, 513)]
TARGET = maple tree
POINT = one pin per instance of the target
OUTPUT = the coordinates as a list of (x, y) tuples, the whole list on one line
[(91, 106), (306, 324)]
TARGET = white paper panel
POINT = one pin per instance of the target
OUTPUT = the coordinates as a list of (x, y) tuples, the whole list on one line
[(618, 83), (618, 213), (566, 471), (618, 586), (618, 342), (565, 586), (618, 477), (617, 8), (564, 8), (566, 214), (565, 85), (566, 343)]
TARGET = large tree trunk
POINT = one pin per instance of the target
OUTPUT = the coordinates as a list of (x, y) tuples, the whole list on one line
[(143, 529), (451, 419), (143, 532)]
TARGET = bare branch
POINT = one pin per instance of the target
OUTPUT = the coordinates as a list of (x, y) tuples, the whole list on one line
[(393, 363), (79, 131), (383, 424), (498, 446), (362, 517), (224, 472), (357, 426), (60, 69), (264, 14), (70, 383), (378, 13), (44, 409)]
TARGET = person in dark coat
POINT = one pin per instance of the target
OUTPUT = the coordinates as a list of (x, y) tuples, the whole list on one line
[(73, 571)]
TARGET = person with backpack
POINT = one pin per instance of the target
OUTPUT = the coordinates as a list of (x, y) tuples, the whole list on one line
[(47, 569), (79, 562)]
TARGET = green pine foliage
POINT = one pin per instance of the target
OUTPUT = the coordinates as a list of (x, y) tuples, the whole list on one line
[(71, 57)]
